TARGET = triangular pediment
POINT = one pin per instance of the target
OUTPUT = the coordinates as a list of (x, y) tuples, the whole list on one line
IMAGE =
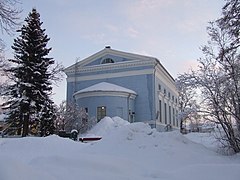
[(108, 54)]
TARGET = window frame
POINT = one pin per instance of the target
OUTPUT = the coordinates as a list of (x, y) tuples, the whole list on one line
[(101, 112), (107, 61)]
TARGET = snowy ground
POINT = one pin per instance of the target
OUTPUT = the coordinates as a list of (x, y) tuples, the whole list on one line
[(126, 151)]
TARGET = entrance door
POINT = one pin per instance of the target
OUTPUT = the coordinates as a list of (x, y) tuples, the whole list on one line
[(101, 112)]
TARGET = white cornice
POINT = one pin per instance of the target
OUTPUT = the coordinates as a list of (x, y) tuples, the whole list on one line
[(111, 66), (108, 51), (110, 75)]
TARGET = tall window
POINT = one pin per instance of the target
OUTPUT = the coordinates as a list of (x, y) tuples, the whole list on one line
[(165, 112), (177, 119), (160, 110), (170, 114), (101, 112), (174, 117)]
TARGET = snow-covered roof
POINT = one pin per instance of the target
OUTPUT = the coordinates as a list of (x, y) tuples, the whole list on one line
[(106, 87)]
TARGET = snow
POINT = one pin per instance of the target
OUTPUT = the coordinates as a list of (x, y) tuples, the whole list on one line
[(74, 130), (104, 86), (106, 125), (206, 139), (2, 116), (126, 151)]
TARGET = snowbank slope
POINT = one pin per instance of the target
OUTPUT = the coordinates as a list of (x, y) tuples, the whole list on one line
[(126, 151)]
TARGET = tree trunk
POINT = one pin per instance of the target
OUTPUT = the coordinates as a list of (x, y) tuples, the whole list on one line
[(181, 126), (19, 131), (25, 125)]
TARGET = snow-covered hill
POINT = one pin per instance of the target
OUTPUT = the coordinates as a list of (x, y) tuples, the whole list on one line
[(126, 151)]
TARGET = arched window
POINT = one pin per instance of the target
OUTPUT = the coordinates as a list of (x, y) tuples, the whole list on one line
[(107, 60)]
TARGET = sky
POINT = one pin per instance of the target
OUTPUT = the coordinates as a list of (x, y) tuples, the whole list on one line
[(170, 30)]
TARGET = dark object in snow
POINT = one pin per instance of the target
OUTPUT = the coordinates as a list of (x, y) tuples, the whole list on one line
[(74, 134), (168, 127), (89, 139), (64, 134)]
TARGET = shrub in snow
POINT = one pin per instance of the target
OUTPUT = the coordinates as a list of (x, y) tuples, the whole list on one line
[(70, 116)]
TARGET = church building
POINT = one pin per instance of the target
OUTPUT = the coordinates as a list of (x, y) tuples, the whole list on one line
[(134, 87)]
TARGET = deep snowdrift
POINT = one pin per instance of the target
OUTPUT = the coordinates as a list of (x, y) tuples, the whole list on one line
[(126, 151)]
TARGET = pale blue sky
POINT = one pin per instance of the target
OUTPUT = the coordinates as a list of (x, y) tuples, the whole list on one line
[(170, 30)]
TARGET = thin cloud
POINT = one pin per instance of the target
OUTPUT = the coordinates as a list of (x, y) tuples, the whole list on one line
[(112, 28), (188, 65), (133, 33), (95, 37)]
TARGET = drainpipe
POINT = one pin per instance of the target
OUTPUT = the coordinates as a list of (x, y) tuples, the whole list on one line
[(75, 78), (128, 99), (154, 101)]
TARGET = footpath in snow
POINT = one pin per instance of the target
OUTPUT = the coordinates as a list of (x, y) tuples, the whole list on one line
[(126, 151)]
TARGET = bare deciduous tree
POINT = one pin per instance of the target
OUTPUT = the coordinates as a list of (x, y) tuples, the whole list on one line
[(218, 76), (9, 15), (188, 107), (70, 116), (9, 21)]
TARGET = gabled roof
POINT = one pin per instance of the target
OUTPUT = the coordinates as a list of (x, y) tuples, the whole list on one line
[(107, 51), (106, 87)]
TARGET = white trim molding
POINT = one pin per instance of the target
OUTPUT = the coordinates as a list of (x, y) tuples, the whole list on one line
[(110, 66), (110, 75)]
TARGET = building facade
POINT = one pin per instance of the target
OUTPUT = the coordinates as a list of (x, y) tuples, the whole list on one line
[(131, 86)]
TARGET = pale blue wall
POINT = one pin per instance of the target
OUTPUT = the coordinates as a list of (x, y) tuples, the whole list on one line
[(111, 102), (146, 104), (141, 84)]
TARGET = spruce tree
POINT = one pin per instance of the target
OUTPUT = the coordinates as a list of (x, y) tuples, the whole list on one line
[(32, 76)]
